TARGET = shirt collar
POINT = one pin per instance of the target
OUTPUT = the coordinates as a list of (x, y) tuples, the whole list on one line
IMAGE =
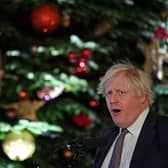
[(135, 128)]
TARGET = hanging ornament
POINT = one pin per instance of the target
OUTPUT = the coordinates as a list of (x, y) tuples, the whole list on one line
[(68, 154), (86, 53), (80, 70), (19, 146), (150, 51), (23, 95), (25, 109), (11, 114), (94, 103), (72, 56), (7, 115), (82, 66), (49, 93), (82, 120), (45, 19), (160, 34), (155, 56)]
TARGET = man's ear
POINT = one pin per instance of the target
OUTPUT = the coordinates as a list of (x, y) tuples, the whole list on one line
[(144, 98)]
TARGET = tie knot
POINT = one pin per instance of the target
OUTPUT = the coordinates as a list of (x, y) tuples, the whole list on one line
[(124, 130)]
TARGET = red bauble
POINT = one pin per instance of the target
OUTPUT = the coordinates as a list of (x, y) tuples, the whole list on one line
[(86, 53), (82, 120), (82, 66), (45, 19), (94, 103), (72, 57), (23, 95)]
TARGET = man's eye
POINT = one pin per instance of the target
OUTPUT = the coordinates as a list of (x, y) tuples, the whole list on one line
[(121, 92), (108, 94), (116, 92)]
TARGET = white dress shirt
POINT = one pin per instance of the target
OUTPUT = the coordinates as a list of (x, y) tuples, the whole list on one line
[(129, 142)]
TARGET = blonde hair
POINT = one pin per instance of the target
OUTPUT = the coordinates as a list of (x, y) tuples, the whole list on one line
[(136, 78)]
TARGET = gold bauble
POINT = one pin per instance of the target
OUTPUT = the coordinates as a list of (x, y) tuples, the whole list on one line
[(19, 145)]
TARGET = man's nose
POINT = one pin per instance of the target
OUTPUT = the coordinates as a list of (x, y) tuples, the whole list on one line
[(113, 98)]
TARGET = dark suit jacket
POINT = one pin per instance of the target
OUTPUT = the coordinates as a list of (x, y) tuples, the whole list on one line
[(151, 150)]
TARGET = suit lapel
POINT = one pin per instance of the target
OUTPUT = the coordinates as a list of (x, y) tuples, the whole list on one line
[(144, 142), (109, 139)]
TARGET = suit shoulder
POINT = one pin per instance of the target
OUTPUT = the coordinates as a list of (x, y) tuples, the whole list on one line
[(162, 128), (109, 131), (163, 121)]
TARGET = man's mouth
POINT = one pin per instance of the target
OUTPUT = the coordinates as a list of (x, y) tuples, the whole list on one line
[(116, 110)]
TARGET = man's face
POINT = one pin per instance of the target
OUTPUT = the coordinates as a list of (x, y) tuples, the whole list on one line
[(124, 104)]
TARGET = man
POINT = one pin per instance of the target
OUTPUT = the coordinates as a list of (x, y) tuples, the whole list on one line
[(128, 95)]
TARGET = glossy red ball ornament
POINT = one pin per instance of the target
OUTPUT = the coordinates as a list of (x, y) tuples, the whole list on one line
[(86, 53), (45, 18), (23, 95), (82, 66), (94, 103), (82, 120), (72, 57), (68, 154)]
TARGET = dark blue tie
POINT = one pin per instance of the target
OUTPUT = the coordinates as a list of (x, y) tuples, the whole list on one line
[(116, 156)]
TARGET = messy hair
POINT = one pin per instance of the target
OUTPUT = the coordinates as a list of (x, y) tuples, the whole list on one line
[(136, 78)]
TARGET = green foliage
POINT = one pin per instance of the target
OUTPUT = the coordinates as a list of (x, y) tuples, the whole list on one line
[(35, 127), (6, 164), (32, 60)]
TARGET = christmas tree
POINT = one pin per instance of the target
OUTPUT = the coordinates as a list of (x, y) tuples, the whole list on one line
[(52, 54)]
